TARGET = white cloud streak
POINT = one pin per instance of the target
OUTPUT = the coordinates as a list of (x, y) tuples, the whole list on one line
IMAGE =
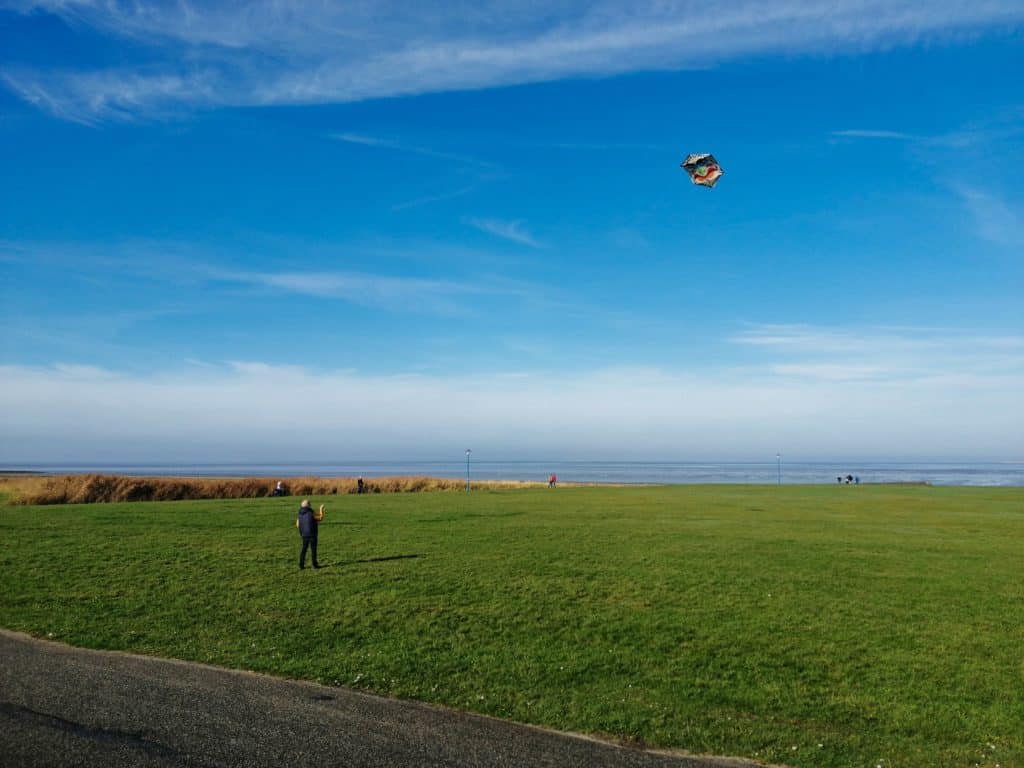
[(427, 199), (871, 134), (997, 220), (399, 146), (437, 288), (901, 355), (270, 53), (826, 339), (513, 231), (397, 294)]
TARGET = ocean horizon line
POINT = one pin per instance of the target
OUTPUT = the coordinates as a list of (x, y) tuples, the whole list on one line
[(626, 471)]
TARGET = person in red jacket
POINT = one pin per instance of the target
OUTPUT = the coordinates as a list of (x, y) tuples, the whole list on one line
[(552, 480)]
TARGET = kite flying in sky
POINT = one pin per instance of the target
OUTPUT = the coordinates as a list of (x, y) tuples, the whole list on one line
[(703, 169)]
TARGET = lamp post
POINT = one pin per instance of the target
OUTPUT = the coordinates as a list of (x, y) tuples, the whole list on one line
[(778, 461), (468, 451)]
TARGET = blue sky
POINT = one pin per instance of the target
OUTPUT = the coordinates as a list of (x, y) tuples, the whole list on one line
[(266, 231)]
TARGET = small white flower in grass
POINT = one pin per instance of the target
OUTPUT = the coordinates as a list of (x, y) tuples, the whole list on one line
[(793, 747)]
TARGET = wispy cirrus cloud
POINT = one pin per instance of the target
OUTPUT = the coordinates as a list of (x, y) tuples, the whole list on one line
[(198, 267), (214, 54), (404, 294), (882, 354), (1001, 127), (513, 231), (810, 338), (856, 133), (92, 97), (485, 169), (401, 146), (996, 219), (427, 199), (831, 371)]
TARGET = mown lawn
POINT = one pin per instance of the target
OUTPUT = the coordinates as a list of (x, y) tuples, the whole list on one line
[(810, 626)]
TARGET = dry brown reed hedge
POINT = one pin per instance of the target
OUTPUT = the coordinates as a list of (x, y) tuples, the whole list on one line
[(16, 485), (89, 489)]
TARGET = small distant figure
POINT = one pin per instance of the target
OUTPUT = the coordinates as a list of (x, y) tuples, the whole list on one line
[(849, 479), (360, 485), (839, 480), (279, 489), (856, 479), (552, 481), (307, 522)]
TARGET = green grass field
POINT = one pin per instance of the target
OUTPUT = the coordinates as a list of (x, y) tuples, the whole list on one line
[(809, 626)]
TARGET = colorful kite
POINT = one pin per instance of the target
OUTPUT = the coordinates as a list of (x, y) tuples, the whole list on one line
[(703, 169)]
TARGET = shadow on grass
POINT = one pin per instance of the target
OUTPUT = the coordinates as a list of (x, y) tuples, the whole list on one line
[(344, 563), (456, 518), (385, 559)]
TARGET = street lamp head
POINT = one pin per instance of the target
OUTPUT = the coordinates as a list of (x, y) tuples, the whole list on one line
[(468, 451)]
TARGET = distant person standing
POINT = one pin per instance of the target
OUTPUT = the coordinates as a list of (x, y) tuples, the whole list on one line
[(279, 489), (308, 521), (360, 485), (552, 481)]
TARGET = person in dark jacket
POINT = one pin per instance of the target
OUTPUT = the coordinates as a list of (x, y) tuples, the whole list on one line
[(307, 523)]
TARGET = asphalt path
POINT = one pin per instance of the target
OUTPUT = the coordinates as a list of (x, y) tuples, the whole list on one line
[(64, 706)]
